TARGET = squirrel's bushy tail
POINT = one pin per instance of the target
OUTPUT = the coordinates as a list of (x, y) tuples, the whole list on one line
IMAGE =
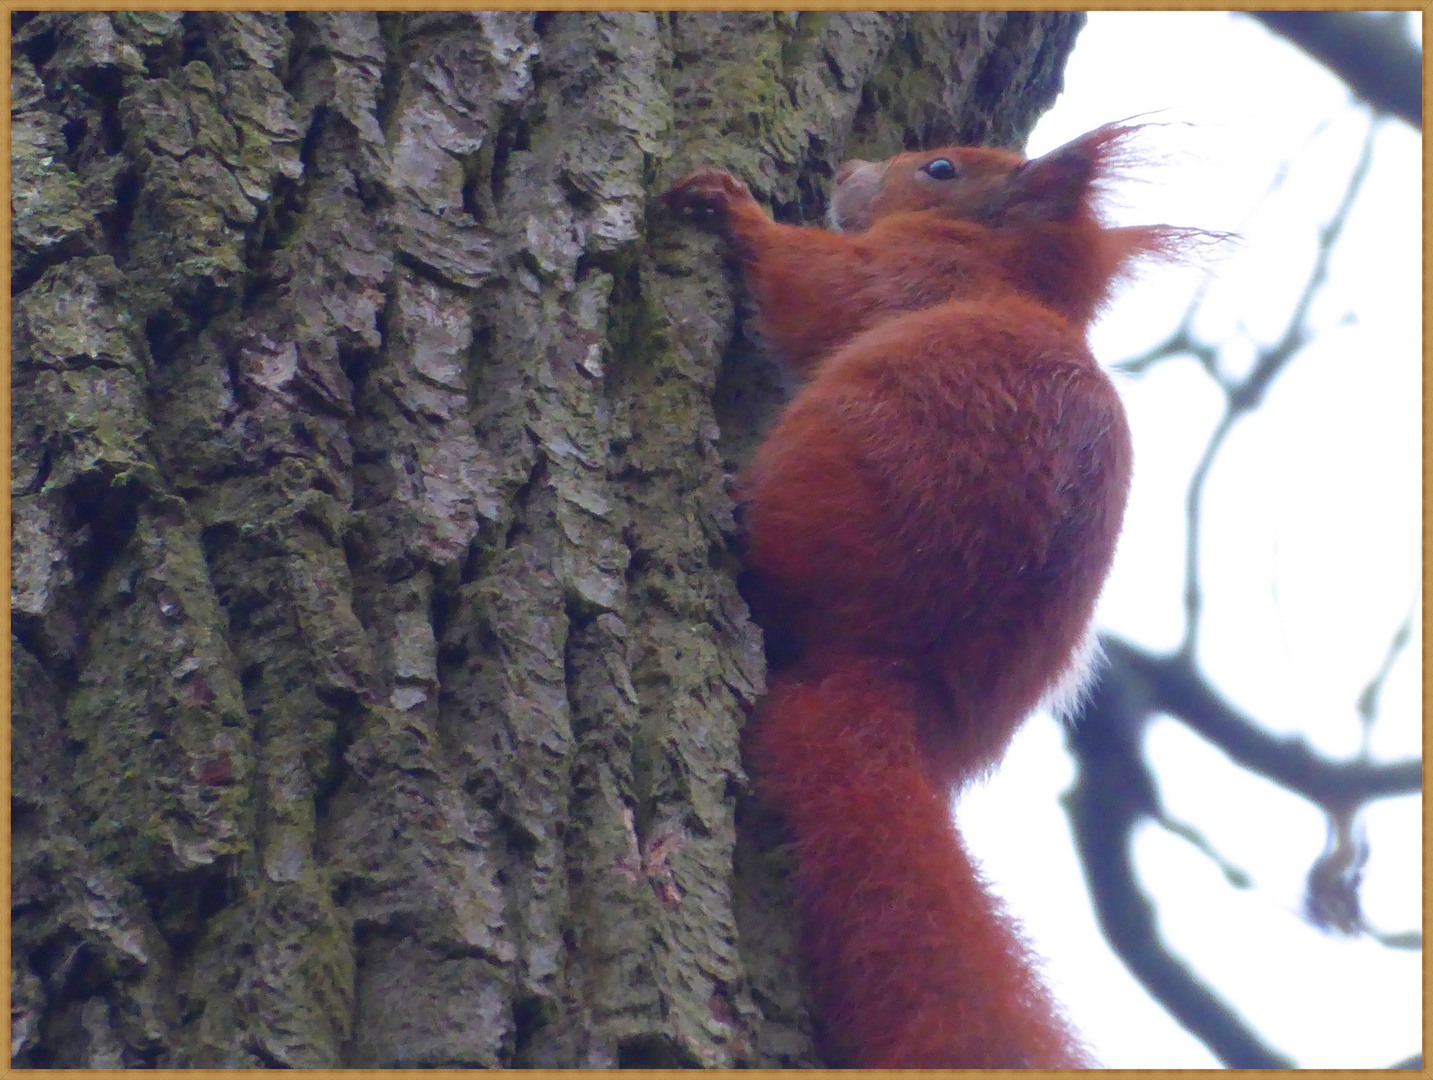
[(912, 963)]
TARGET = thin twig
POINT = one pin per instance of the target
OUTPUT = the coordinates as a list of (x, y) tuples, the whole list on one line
[(1368, 699), (1244, 395)]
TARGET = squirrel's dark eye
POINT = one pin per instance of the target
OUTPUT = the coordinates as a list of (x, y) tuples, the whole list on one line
[(939, 169)]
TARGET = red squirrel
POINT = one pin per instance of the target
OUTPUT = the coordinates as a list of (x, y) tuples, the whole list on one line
[(929, 523)]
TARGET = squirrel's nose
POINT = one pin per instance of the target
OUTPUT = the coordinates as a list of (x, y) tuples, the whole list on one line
[(847, 168)]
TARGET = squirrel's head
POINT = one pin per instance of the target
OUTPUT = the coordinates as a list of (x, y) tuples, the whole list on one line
[(1045, 212), (987, 186)]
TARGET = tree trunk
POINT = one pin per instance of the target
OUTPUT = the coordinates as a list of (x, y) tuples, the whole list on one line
[(378, 663)]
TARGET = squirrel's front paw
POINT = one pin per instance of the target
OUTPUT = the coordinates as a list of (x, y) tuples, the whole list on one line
[(707, 193)]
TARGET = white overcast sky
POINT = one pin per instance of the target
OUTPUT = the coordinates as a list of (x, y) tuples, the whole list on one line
[(1312, 549)]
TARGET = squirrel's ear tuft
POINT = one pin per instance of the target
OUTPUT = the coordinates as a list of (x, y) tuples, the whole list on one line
[(1060, 186)]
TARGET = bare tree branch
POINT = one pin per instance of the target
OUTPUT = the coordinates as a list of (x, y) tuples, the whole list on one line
[(1372, 53), (1244, 395), (1113, 791), (1248, 393), (1368, 700), (1172, 685), (1193, 525)]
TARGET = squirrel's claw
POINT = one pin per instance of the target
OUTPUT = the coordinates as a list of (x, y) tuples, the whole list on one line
[(706, 193)]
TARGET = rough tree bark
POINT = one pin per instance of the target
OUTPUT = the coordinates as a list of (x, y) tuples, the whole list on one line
[(378, 662)]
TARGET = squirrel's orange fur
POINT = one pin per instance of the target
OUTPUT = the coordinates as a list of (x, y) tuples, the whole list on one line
[(930, 522)]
